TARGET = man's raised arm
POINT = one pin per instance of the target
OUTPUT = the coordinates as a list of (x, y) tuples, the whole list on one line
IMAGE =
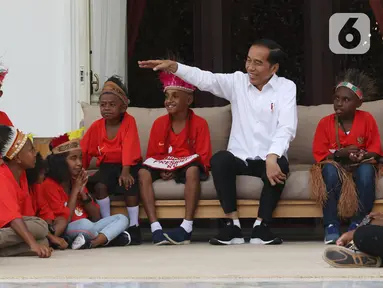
[(221, 85)]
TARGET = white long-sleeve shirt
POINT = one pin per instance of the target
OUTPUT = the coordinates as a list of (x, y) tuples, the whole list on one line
[(264, 122)]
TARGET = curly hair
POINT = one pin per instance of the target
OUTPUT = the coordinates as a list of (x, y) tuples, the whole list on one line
[(58, 169), (361, 80), (34, 173)]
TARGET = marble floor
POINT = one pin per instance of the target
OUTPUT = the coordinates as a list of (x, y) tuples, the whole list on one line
[(215, 284)]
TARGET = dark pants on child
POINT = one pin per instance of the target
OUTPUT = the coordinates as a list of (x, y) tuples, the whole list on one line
[(369, 239), (364, 177), (108, 175), (225, 167)]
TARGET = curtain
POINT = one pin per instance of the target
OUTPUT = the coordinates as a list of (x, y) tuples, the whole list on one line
[(136, 10), (377, 7), (108, 38)]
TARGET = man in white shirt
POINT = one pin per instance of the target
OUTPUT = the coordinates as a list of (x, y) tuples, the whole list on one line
[(264, 123)]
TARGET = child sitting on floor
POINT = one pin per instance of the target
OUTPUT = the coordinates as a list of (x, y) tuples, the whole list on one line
[(21, 233), (4, 119), (179, 148), (114, 141), (347, 147), (64, 190), (57, 226)]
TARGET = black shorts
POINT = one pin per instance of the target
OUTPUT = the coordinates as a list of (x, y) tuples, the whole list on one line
[(179, 174), (108, 175)]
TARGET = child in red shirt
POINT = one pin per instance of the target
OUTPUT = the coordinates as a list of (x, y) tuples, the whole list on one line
[(4, 119), (179, 148), (346, 141), (65, 192), (114, 141), (20, 231), (56, 225)]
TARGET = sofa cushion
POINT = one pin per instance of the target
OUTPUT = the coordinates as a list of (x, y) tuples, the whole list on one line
[(218, 119), (248, 187)]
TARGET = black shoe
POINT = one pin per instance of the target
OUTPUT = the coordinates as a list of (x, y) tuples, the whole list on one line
[(342, 257), (124, 239), (135, 234), (261, 234), (228, 235)]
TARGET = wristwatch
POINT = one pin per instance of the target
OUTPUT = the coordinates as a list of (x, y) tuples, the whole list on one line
[(87, 200), (51, 229)]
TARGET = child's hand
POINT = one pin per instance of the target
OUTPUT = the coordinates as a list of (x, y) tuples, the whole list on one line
[(81, 181), (126, 179), (166, 175), (358, 156)]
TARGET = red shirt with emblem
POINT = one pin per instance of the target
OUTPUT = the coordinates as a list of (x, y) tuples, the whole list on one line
[(123, 149), (15, 201), (58, 199), (40, 204), (364, 134), (4, 119), (193, 139)]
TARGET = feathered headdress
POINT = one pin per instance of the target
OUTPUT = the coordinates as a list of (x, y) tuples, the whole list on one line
[(359, 82), (3, 73), (68, 142), (15, 143), (170, 80)]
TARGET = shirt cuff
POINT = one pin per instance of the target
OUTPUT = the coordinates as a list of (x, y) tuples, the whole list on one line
[(279, 151), (181, 70)]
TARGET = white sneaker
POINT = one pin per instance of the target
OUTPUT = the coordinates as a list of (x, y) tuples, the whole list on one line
[(78, 242)]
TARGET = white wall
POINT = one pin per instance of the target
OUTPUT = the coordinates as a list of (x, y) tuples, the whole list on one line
[(35, 44)]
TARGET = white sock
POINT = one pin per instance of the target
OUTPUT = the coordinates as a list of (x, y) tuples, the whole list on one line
[(104, 207), (187, 225), (155, 226), (133, 215), (257, 223), (237, 223)]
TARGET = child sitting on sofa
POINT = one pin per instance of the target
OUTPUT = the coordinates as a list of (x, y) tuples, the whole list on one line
[(346, 148), (57, 226), (4, 119), (64, 190), (179, 148), (114, 141), (21, 233)]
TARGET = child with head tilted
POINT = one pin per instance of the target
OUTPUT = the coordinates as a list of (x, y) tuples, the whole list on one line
[(114, 141), (4, 119), (65, 192), (56, 225), (347, 148), (179, 148), (21, 233)]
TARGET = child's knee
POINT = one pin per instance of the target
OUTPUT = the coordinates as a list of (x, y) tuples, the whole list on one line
[(101, 191), (193, 174), (144, 176)]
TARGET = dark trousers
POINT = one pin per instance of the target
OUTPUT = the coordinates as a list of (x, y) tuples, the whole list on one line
[(369, 239), (364, 177), (225, 167)]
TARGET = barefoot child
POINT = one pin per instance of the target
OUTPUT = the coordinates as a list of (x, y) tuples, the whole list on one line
[(346, 147), (20, 232), (64, 190), (179, 148), (114, 141), (57, 226), (4, 119)]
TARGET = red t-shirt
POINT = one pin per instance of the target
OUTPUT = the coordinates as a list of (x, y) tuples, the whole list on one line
[(40, 204), (4, 119), (123, 149), (193, 139), (58, 199), (364, 134), (15, 201)]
